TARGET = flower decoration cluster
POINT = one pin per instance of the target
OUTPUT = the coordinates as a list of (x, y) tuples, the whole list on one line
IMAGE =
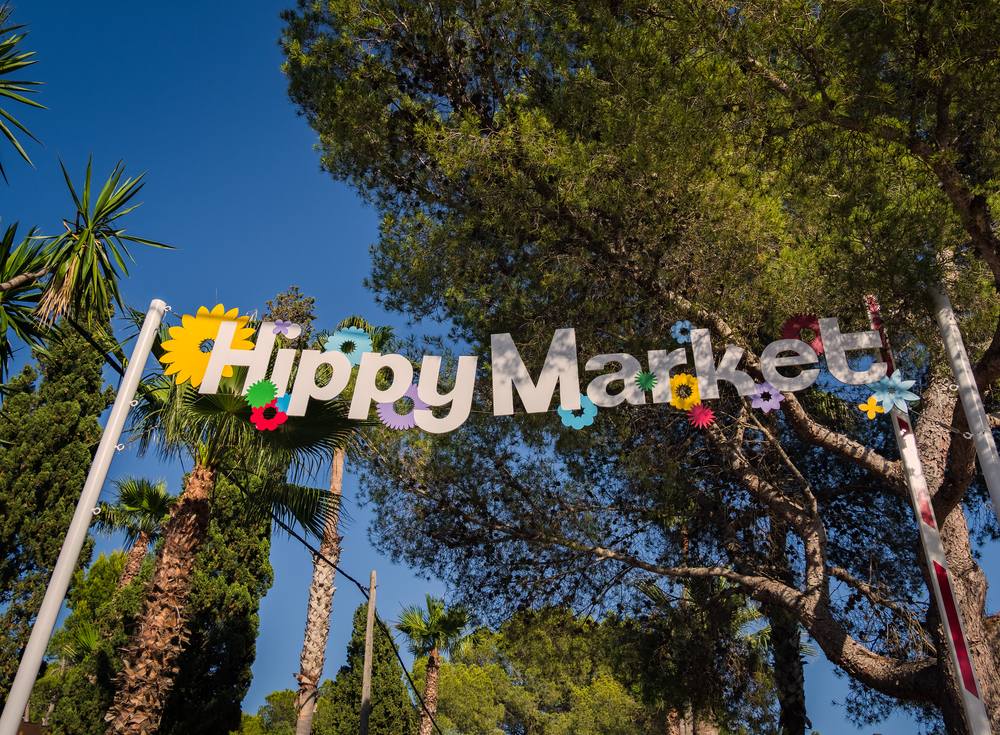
[(352, 341), (388, 416), (586, 417), (892, 391), (266, 413), (187, 352)]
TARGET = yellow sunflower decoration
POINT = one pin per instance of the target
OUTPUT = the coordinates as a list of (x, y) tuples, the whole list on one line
[(684, 392), (186, 354)]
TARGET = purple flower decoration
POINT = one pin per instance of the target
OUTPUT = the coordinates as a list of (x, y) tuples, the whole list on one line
[(281, 327), (768, 397), (388, 416)]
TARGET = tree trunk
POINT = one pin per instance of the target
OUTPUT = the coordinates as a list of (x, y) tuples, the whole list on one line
[(320, 603), (789, 676), (133, 563), (430, 694), (150, 660)]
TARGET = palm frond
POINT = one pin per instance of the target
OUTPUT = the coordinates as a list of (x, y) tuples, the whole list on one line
[(14, 89)]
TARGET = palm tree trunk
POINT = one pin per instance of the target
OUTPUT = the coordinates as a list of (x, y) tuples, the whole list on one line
[(150, 660), (320, 603), (133, 563), (430, 694)]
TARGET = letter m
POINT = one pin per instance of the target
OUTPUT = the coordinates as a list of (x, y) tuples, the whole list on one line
[(561, 366)]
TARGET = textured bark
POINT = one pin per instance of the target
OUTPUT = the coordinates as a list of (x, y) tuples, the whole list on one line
[(320, 604), (150, 660), (789, 675), (430, 694), (133, 563)]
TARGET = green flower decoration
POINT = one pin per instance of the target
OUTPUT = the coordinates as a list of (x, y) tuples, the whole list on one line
[(645, 381), (261, 393)]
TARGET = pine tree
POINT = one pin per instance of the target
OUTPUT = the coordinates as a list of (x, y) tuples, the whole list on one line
[(48, 434), (625, 169), (392, 710)]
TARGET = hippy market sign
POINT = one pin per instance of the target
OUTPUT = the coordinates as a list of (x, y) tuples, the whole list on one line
[(207, 346)]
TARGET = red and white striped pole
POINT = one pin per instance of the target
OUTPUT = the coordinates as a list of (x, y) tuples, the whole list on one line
[(930, 538)]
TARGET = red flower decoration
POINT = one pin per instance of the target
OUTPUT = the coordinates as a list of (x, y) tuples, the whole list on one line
[(701, 416), (268, 418), (794, 326)]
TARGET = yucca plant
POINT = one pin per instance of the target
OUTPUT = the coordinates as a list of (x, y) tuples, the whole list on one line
[(13, 61), (85, 260)]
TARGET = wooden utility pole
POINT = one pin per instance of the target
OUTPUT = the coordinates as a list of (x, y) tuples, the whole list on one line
[(366, 682)]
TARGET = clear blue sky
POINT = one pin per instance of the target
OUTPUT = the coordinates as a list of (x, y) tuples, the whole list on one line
[(192, 94)]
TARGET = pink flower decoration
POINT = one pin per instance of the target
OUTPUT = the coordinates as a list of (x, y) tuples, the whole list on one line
[(794, 326), (388, 416), (768, 397), (701, 416), (268, 418)]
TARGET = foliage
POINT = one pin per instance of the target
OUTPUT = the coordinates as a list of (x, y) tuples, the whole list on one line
[(11, 61), (618, 167), (432, 628), (232, 574), (543, 672), (392, 712), (48, 433), (142, 508), (88, 591), (294, 307)]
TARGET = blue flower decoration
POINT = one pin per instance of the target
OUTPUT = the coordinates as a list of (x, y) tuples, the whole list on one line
[(681, 331), (352, 341), (281, 403), (578, 422), (892, 390)]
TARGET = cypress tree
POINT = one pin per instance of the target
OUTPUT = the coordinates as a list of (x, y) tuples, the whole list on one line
[(48, 434), (392, 711), (232, 574)]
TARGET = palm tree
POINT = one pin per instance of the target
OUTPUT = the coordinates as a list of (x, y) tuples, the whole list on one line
[(141, 511), (321, 590), (430, 631), (216, 431)]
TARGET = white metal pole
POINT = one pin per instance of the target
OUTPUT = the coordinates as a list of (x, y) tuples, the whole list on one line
[(27, 671), (968, 392)]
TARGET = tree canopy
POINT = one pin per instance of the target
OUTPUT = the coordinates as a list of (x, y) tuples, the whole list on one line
[(622, 167)]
